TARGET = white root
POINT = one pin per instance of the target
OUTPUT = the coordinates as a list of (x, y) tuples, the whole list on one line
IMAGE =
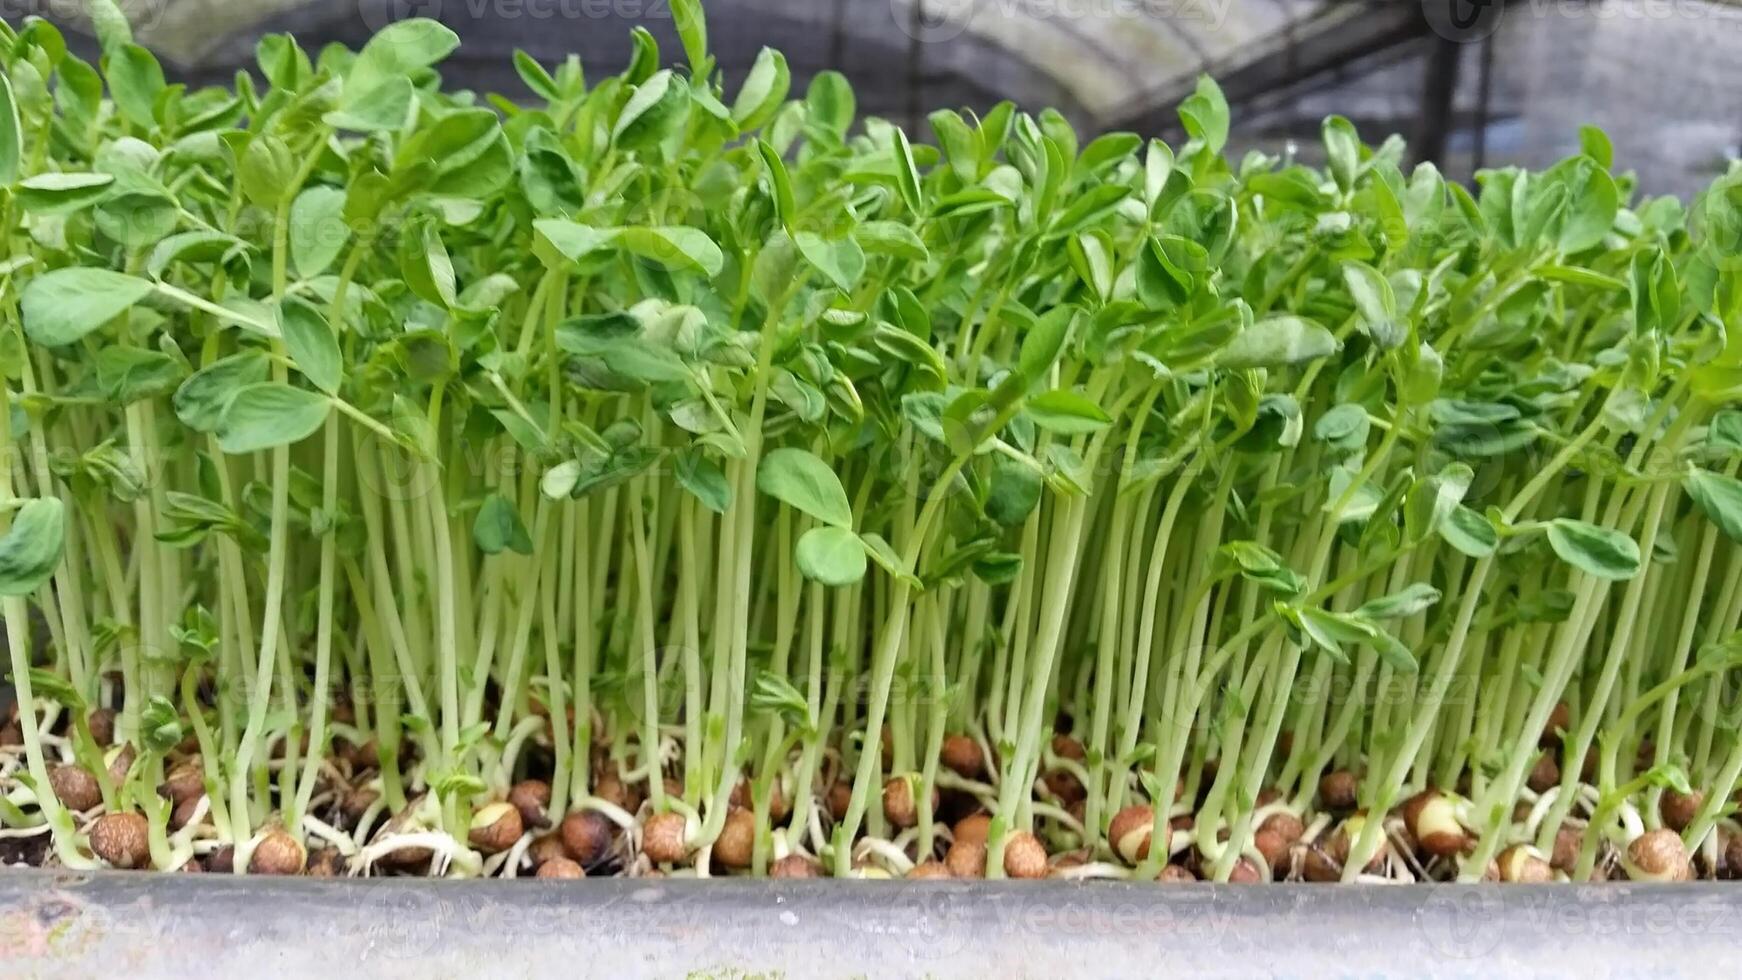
[(1093, 870), (890, 854), (184, 837), (328, 833), (1061, 815), (516, 855), (449, 854), (611, 811)]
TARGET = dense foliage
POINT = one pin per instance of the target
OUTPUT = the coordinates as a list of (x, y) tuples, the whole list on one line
[(397, 472)]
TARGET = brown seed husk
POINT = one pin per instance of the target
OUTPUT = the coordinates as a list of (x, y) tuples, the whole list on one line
[(1433, 821), (972, 829), (962, 755), (966, 859), (531, 797), (587, 835), (1065, 785), (1245, 872), (1660, 856), (560, 867), (122, 839), (222, 861), (183, 814), (278, 853), (75, 787), (102, 723), (737, 840), (840, 797), (1679, 809), (1337, 791), (1519, 866), (186, 781), (1131, 831), (898, 802), (662, 839), (929, 870), (326, 863), (495, 827), (1559, 720), (1024, 856), (795, 866), (1567, 842), (1175, 874), (1275, 850), (1545, 774)]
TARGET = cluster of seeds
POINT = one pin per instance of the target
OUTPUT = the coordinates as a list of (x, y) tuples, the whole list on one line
[(669, 473)]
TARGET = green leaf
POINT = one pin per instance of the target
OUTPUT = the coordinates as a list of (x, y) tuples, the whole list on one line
[(1066, 412), (11, 135), (1043, 342), (1599, 551), (202, 398), (1724, 434), (135, 81), (1342, 151), (1469, 532), (906, 172), (1277, 341), (1376, 302), (1205, 115), (780, 184), (1400, 605), (536, 78), (1595, 144), (831, 555), (802, 481), (692, 29), (311, 345), (1719, 497), (891, 238), (110, 23), (674, 247), (656, 110), (62, 306), (1578, 276), (830, 103), (31, 547), (266, 170), (318, 231), (637, 359), (192, 246), (498, 528), (841, 260), (63, 193), (160, 725), (763, 91), (129, 374), (426, 267), (396, 52), (261, 416), (703, 478)]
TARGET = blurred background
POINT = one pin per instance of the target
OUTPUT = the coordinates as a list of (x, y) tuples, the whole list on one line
[(1470, 83)]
